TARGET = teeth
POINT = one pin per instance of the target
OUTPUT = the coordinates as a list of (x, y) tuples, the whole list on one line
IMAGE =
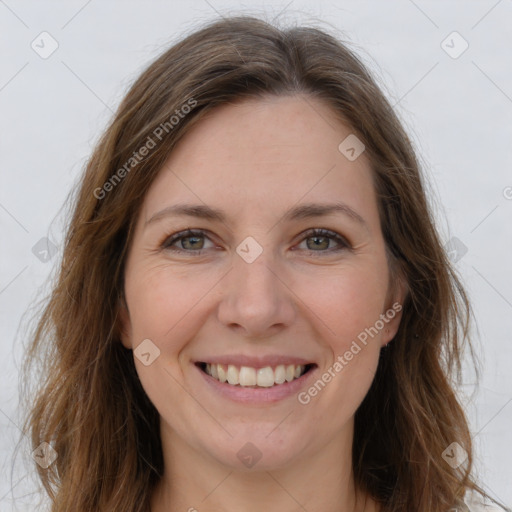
[(280, 374), (265, 377), (247, 376), (290, 372), (232, 375), (221, 373)]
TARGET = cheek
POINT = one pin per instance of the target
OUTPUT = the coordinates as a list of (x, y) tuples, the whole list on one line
[(163, 301), (349, 307), (355, 304), (346, 301), (162, 310)]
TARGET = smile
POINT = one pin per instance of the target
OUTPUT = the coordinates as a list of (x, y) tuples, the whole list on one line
[(246, 376)]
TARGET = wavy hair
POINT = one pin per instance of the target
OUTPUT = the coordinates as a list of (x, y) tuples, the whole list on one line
[(90, 405)]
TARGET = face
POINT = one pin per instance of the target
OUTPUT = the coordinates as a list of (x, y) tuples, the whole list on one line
[(254, 294)]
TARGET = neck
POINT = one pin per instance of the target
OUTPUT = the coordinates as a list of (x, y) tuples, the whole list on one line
[(195, 482)]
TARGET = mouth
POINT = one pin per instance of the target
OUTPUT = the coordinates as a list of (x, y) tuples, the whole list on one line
[(251, 377)]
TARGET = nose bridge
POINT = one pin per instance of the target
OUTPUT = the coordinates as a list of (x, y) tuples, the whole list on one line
[(257, 276), (254, 296)]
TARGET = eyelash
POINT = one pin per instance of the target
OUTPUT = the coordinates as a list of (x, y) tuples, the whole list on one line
[(318, 232)]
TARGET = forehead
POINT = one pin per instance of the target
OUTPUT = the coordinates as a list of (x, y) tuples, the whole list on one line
[(264, 154)]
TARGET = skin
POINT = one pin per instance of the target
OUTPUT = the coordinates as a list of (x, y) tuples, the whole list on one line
[(255, 159)]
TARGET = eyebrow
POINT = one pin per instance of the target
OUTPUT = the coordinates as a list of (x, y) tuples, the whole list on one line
[(300, 212)]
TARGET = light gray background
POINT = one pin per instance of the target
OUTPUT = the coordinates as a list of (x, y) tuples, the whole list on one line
[(457, 110)]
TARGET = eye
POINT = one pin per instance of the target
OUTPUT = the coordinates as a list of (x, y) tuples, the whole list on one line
[(322, 238), (190, 241)]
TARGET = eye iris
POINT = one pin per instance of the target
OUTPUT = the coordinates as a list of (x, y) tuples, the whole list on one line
[(318, 245), (193, 237)]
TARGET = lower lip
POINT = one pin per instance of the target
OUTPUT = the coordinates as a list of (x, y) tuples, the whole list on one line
[(262, 395)]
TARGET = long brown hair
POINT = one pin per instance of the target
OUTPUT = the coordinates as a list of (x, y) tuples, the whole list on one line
[(90, 405)]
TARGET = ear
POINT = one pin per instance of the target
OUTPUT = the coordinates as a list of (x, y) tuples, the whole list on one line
[(392, 316), (124, 325)]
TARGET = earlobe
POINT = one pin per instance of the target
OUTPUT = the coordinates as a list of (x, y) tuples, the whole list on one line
[(391, 329), (393, 313), (124, 325)]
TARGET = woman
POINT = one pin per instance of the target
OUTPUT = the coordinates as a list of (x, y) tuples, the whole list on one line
[(254, 309)]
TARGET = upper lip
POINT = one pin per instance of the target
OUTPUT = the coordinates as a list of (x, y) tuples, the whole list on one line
[(254, 361)]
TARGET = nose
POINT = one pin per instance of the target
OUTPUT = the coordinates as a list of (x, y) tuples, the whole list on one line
[(255, 298)]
